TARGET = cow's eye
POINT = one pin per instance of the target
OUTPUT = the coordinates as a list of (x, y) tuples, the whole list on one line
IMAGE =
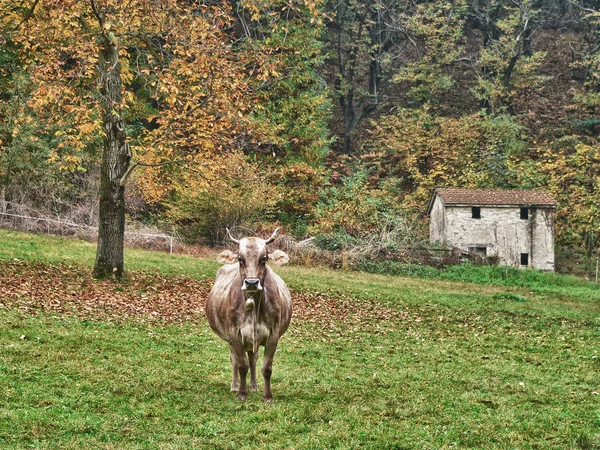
[(240, 259), (264, 258)]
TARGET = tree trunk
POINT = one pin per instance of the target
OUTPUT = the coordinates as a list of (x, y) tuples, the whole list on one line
[(528, 42), (115, 161), (363, 35), (347, 145), (347, 103), (3, 200), (506, 77)]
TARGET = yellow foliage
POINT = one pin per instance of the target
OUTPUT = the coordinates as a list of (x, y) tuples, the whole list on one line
[(194, 75)]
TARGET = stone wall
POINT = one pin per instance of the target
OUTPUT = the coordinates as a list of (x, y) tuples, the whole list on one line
[(500, 230), (543, 239), (437, 222)]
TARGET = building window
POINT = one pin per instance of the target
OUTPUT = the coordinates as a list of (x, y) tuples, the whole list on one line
[(524, 213), (476, 212), (524, 259), (478, 251)]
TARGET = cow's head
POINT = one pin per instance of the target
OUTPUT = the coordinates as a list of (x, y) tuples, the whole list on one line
[(252, 257)]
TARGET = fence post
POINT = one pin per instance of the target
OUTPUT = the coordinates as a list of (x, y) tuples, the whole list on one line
[(171, 245)]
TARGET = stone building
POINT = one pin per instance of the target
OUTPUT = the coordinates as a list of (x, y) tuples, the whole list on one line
[(516, 226)]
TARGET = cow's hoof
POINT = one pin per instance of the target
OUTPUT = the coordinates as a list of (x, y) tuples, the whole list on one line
[(242, 397), (235, 388), (253, 388), (269, 399)]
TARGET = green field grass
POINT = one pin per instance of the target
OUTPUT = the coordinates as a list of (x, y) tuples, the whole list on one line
[(370, 361), (37, 247)]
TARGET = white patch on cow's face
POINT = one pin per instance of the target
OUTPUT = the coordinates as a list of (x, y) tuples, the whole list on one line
[(252, 258), (256, 245)]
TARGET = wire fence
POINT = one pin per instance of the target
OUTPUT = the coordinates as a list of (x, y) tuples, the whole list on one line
[(60, 227)]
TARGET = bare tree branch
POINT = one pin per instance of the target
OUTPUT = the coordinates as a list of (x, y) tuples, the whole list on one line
[(27, 16), (138, 164), (98, 15)]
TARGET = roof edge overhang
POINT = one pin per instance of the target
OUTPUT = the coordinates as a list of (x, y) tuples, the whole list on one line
[(492, 205)]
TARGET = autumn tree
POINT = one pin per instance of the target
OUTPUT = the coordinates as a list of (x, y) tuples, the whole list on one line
[(434, 30), (24, 143), (423, 150), (364, 38), (292, 102), (104, 67), (587, 61), (569, 164), (569, 168), (505, 63)]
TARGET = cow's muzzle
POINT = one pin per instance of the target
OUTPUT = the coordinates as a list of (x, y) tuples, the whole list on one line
[(252, 285)]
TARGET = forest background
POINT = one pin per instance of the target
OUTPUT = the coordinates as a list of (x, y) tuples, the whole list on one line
[(330, 118)]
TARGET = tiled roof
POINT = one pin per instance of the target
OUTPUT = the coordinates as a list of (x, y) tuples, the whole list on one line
[(493, 197)]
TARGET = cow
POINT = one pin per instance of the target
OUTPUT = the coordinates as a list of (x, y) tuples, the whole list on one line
[(249, 306)]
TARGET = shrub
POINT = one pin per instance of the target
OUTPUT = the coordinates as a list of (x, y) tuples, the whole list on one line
[(334, 242), (394, 237), (350, 208)]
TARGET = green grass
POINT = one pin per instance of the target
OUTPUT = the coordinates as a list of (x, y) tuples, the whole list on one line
[(412, 364), (52, 249), (467, 272)]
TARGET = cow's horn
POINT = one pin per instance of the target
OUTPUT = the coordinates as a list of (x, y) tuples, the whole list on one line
[(235, 241), (273, 236)]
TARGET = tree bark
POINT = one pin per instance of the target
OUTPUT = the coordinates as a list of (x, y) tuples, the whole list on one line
[(115, 162), (506, 77), (360, 28)]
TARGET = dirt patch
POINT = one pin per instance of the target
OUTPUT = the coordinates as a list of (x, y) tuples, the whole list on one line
[(37, 287), (33, 287)]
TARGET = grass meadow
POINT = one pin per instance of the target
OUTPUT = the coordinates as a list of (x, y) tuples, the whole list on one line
[(369, 362)]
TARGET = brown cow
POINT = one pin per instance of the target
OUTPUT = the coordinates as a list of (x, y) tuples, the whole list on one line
[(249, 306)]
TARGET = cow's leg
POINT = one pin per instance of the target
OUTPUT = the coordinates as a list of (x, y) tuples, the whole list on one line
[(235, 382), (252, 358), (241, 361), (267, 367)]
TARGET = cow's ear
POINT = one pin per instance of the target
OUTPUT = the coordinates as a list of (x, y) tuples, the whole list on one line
[(227, 257), (279, 257)]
